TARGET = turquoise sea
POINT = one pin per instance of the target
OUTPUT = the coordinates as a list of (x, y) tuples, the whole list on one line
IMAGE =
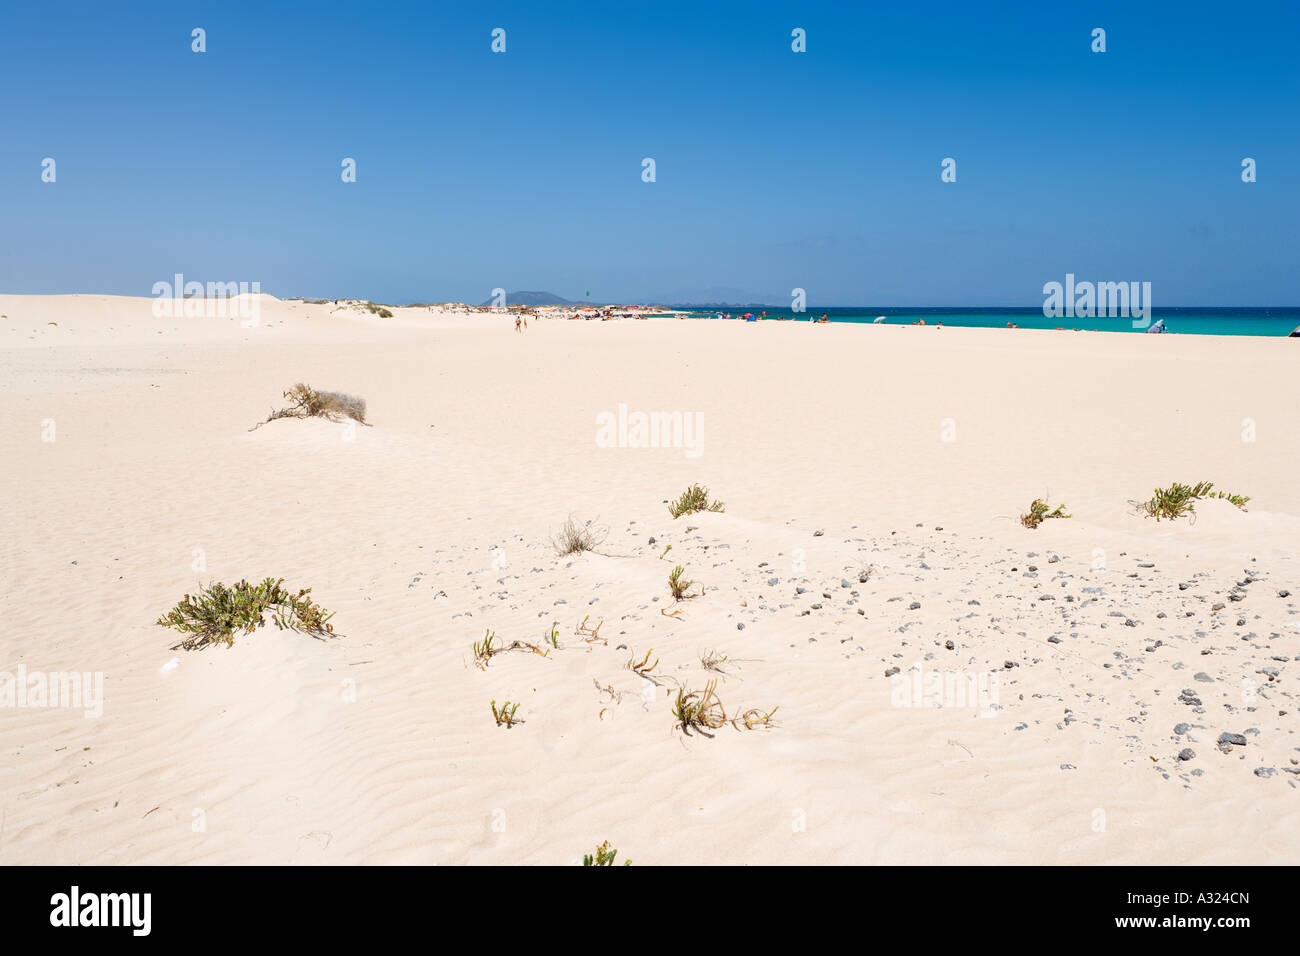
[(1276, 322)]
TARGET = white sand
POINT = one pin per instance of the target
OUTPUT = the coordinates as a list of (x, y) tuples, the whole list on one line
[(483, 440)]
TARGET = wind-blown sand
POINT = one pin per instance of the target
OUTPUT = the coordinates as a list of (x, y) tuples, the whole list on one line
[(432, 526)]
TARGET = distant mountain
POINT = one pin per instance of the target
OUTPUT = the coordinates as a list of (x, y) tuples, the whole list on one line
[(533, 298)]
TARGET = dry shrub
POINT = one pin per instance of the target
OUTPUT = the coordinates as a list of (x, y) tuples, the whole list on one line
[(574, 538), (307, 402)]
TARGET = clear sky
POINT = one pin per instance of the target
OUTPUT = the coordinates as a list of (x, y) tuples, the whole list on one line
[(774, 169)]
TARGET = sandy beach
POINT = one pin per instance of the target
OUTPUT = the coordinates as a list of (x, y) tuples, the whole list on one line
[(870, 550)]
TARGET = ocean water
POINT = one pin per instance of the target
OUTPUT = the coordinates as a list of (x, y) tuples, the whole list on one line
[(1188, 321)]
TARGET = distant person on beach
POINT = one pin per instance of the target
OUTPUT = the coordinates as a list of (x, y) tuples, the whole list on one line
[(516, 323)]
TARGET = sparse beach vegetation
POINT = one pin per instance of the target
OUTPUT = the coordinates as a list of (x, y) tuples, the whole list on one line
[(678, 586), (505, 715), (489, 648), (307, 402), (643, 667), (1040, 511), (588, 633), (574, 538), (218, 612), (1179, 499), (693, 499), (604, 856), (711, 660), (703, 711)]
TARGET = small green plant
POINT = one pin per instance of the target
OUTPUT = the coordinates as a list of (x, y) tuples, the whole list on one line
[(553, 638), (712, 661), (644, 667), (1039, 512), (665, 551), (487, 649), (693, 499), (1180, 499), (603, 856), (216, 613), (307, 402), (678, 586), (755, 718), (506, 715), (484, 649), (378, 310), (701, 710)]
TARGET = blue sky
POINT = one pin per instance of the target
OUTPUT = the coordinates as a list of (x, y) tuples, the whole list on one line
[(774, 169)]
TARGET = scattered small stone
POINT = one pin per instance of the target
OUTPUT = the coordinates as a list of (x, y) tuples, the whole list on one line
[(1186, 754)]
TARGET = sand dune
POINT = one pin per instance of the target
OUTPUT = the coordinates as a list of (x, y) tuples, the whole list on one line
[(856, 539)]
